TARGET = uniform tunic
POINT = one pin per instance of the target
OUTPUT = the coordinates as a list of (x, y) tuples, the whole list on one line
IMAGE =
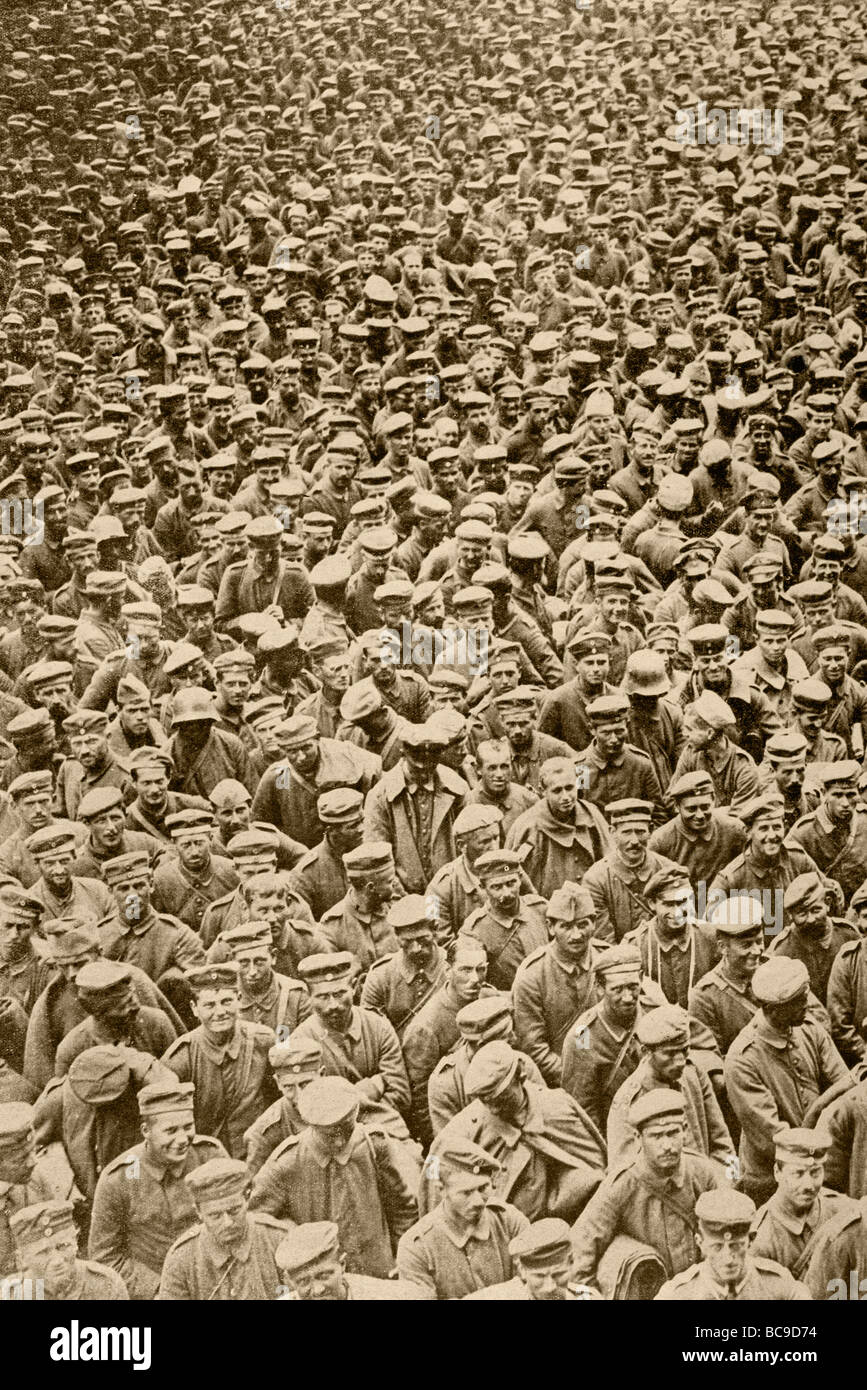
[(617, 891), (706, 1128), (507, 940), (92, 1283), (840, 1257), (140, 1208), (396, 991), (847, 1000), (197, 1270), (633, 1201), (840, 852), (188, 896), (790, 1239), (772, 1079), (234, 1083), (765, 1281), (448, 1263), (362, 1189), (368, 1053), (549, 994)]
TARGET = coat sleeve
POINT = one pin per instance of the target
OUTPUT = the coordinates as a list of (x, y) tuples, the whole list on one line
[(604, 927), (754, 1104), (415, 1264), (378, 824), (844, 1026), (398, 1200), (392, 1067), (531, 1028), (175, 1285), (108, 1230), (594, 1231)]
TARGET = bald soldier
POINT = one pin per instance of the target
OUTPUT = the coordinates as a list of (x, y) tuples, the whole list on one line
[(462, 1244), (729, 1271), (777, 1066), (46, 1250), (650, 1198), (229, 1256), (543, 1260), (142, 1202), (787, 1227), (313, 1268)]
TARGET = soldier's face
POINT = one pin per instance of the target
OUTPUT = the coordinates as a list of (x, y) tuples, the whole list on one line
[(466, 1195), (152, 788), (668, 1063), (332, 1002), (503, 892), (194, 850), (695, 812), (767, 835), (51, 1259), (550, 1284), (225, 1220), (35, 810), (321, 1281), (800, 1180), (662, 1143), (610, 738), (840, 801), (621, 999), (832, 664), (334, 1138), (726, 1255), (572, 937), (168, 1137), (57, 871), (255, 968), (106, 831), (217, 1011)]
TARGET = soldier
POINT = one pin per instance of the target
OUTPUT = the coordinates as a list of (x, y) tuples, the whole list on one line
[(785, 772), (787, 1227), (664, 1037), (159, 944), (400, 984), (202, 753), (811, 934), (113, 1015), (63, 894), (24, 972), (675, 949), (708, 722), (558, 981), (617, 883), (277, 1002), (566, 833), (232, 805), (563, 712), (229, 1255), (186, 886), (320, 876), (487, 1019), (601, 1050), (359, 922), (25, 1176), (839, 1261), (811, 700), (414, 806), (102, 811), (142, 1202), (847, 1001), (510, 924), (558, 1157), (652, 1197), (770, 861), (356, 1042), (314, 1266), (779, 1064), (722, 999), (700, 836), (267, 897), (150, 771), (226, 1058), (462, 1245), (611, 769), (31, 798), (434, 1031), (455, 889), (729, 1272), (772, 666), (91, 765), (543, 1261), (46, 1247), (834, 836), (339, 1170), (288, 792)]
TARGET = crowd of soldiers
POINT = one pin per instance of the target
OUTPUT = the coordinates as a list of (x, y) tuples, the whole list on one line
[(433, 614)]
